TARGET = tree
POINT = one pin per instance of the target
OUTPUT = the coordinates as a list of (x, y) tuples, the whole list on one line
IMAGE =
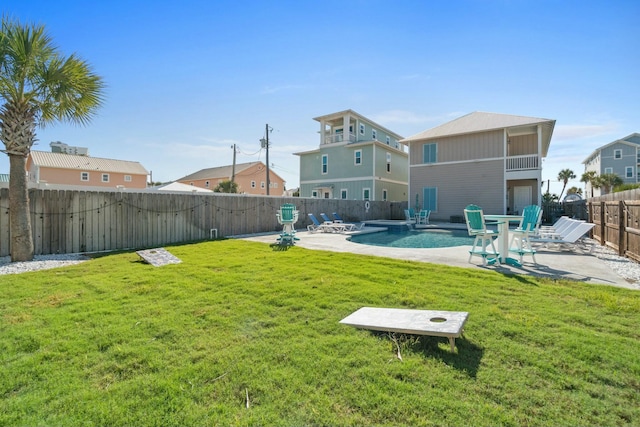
[(38, 86), (574, 190), (226, 187), (608, 181), (565, 175), (589, 178)]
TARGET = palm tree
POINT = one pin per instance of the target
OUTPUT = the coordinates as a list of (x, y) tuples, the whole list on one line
[(608, 181), (589, 178), (38, 86), (574, 190), (565, 175)]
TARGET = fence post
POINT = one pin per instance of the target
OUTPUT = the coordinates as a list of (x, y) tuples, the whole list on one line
[(622, 244), (603, 224)]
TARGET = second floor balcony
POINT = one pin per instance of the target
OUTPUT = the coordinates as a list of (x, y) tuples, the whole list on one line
[(525, 162), (339, 137)]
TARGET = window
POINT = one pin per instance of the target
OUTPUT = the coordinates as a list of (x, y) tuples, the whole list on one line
[(430, 198), (84, 176), (361, 129), (253, 184), (389, 162), (357, 160), (343, 194), (273, 184), (388, 141), (314, 193), (374, 134), (325, 164), (617, 154), (206, 184), (127, 178), (105, 177), (430, 153), (366, 193), (384, 194), (261, 184), (629, 171), (608, 170)]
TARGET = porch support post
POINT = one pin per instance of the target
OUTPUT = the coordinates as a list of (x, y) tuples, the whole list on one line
[(345, 127), (539, 169), (505, 195), (323, 127)]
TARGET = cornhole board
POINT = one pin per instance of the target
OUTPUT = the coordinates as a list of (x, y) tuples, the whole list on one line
[(419, 322), (158, 257)]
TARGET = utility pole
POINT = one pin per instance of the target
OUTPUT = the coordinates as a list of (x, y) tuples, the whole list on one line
[(233, 168), (265, 144)]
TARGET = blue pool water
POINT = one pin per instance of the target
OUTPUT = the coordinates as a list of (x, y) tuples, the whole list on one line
[(415, 238)]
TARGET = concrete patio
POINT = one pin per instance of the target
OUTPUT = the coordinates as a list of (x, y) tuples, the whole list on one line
[(577, 265)]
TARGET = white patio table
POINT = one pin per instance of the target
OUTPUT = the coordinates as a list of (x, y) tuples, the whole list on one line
[(503, 238)]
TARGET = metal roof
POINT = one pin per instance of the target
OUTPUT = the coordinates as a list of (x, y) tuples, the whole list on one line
[(633, 139), (479, 121), (222, 172), (85, 163)]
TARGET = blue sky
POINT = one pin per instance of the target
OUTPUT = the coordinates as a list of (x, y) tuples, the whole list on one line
[(187, 80)]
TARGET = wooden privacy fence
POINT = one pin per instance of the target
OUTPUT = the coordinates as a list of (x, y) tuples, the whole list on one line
[(72, 221), (617, 225)]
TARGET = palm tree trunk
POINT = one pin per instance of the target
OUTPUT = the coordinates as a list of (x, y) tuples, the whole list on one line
[(19, 215)]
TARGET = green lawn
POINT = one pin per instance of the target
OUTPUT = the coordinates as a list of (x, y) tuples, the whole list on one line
[(241, 334)]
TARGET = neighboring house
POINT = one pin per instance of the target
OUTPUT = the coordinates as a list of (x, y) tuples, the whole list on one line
[(80, 170), (250, 177), (357, 159), (488, 159), (178, 186), (621, 157)]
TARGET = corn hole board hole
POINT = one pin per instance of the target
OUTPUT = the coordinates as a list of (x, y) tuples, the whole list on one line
[(158, 257)]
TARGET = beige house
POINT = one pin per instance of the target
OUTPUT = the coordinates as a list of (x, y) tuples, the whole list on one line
[(250, 177), (80, 170), (488, 159)]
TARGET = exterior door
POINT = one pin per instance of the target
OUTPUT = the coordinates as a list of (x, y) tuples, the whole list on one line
[(521, 198)]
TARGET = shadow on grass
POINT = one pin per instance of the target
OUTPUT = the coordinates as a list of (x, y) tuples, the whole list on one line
[(466, 358), (278, 246)]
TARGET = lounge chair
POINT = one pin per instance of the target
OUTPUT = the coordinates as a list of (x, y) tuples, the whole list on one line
[(570, 239), (324, 227), (558, 233), (484, 238), (423, 216), (351, 226), (520, 244)]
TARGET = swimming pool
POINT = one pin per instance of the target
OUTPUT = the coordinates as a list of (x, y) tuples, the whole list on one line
[(415, 238)]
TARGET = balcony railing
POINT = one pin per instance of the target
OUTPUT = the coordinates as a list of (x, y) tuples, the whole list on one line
[(338, 137), (527, 162)]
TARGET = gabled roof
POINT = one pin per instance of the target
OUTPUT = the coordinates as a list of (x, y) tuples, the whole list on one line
[(223, 172), (479, 121), (633, 139), (85, 163)]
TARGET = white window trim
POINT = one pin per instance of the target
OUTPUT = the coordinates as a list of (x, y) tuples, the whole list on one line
[(388, 141), (323, 163), (385, 194), (608, 170), (206, 184), (627, 170), (127, 178), (253, 184), (361, 128), (617, 154), (105, 175), (374, 134), (355, 157), (314, 194), (346, 194), (82, 174), (363, 191), (262, 184)]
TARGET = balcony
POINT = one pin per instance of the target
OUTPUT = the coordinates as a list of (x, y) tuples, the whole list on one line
[(338, 137), (521, 163)]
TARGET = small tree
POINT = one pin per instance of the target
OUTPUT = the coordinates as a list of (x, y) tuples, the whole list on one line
[(608, 181), (574, 190), (565, 176), (589, 178), (37, 86), (226, 187)]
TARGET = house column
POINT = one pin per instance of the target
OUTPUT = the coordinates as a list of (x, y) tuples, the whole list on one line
[(539, 174), (505, 191), (323, 127), (345, 127)]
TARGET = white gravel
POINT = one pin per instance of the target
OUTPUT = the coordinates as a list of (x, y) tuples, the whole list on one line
[(623, 267), (40, 262)]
